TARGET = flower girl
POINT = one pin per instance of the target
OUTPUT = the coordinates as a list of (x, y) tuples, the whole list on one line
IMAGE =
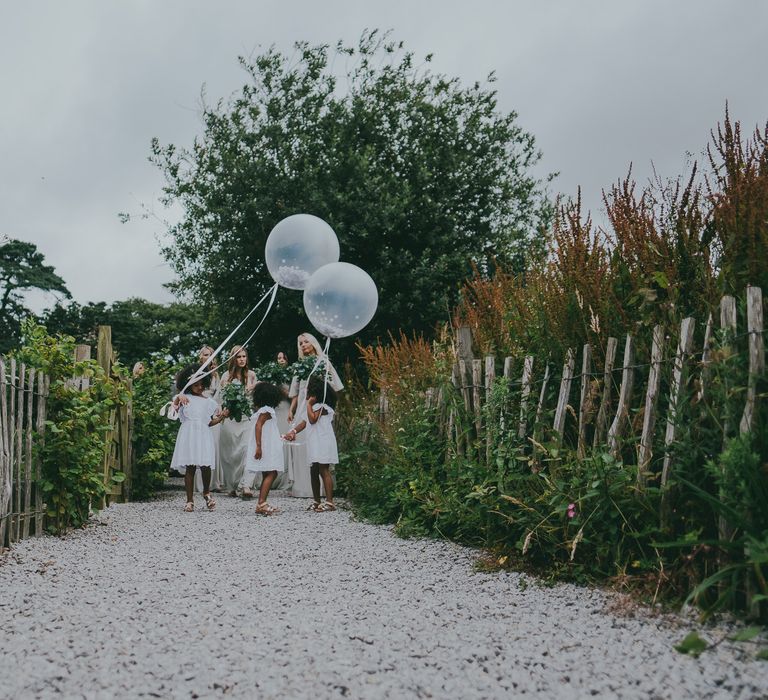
[(265, 448), (194, 443)]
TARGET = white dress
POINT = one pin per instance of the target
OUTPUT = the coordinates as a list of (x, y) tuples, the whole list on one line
[(212, 392), (194, 442), (281, 415), (233, 442), (321, 440), (297, 462), (271, 444)]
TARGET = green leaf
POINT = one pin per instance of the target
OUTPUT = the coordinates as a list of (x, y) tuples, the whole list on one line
[(746, 634), (692, 645), (661, 279), (118, 477), (762, 655)]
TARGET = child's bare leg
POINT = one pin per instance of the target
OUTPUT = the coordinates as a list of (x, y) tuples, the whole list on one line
[(266, 484), (325, 473), (314, 478), (189, 483), (206, 474)]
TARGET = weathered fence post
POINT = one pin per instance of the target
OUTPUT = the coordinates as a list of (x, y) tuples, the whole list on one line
[(756, 354), (540, 405), (756, 369), (706, 358), (19, 457), (42, 405), (5, 456), (651, 397), (524, 394), (477, 380), (616, 430), (28, 454), (490, 377), (683, 351), (558, 426), (585, 413), (601, 423)]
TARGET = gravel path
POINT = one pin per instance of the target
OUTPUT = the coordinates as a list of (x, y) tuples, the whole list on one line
[(159, 603)]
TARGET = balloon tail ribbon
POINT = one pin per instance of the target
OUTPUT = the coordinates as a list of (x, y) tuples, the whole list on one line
[(168, 409)]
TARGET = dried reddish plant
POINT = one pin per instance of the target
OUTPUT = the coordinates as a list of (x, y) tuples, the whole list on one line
[(405, 364), (737, 192)]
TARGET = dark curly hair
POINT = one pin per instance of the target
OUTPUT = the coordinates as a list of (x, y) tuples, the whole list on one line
[(185, 375), (315, 389), (267, 394)]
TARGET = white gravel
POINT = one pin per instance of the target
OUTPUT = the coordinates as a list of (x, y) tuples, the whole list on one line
[(155, 602)]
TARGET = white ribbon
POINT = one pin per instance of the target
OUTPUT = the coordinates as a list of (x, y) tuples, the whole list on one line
[(169, 410)]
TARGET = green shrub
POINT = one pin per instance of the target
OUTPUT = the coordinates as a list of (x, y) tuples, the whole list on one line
[(154, 436), (73, 451)]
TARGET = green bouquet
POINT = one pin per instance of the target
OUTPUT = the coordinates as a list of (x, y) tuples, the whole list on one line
[(303, 366), (236, 402), (274, 373)]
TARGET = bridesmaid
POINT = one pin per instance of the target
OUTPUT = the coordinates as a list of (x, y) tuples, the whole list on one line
[(211, 392), (297, 464), (233, 440)]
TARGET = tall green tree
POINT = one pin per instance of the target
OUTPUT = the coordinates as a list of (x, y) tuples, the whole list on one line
[(22, 269), (141, 329), (420, 177)]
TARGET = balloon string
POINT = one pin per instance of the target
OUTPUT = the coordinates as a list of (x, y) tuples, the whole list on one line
[(168, 409), (200, 374)]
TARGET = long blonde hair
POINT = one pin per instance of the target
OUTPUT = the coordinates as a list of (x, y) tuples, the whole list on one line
[(212, 365), (333, 377), (234, 371)]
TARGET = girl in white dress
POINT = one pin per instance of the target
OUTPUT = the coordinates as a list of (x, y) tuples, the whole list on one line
[(213, 392), (233, 439), (298, 461), (194, 442), (265, 448), (322, 450)]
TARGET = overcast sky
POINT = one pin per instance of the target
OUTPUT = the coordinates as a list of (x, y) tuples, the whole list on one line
[(86, 84)]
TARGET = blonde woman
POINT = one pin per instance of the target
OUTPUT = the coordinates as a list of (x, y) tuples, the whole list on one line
[(211, 392), (233, 440), (298, 464)]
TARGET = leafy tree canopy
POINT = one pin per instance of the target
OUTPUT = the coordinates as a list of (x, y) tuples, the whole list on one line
[(22, 268), (419, 176), (140, 329)]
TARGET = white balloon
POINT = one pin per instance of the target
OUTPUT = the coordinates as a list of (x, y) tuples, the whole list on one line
[(340, 299), (297, 246)]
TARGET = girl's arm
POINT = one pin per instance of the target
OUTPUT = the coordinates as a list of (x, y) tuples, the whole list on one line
[(263, 418), (311, 413), (250, 380), (218, 417), (291, 434)]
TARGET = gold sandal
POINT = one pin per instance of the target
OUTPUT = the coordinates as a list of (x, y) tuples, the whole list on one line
[(265, 509), (189, 507)]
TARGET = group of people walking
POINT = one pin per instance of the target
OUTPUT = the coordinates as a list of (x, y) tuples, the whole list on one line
[(287, 443)]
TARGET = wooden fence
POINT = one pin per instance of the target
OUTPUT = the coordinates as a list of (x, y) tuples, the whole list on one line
[(23, 412), (23, 393), (604, 413)]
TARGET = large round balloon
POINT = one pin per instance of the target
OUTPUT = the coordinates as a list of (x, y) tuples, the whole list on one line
[(340, 299), (297, 246)]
